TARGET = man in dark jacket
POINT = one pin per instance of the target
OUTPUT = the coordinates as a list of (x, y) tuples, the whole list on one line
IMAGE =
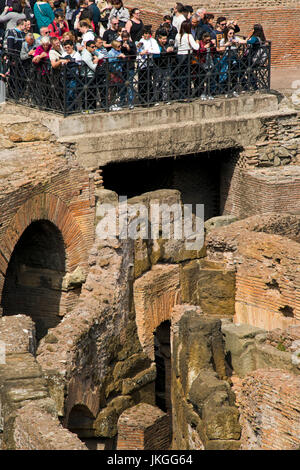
[(162, 69)]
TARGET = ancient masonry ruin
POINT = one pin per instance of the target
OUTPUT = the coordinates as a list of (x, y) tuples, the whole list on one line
[(123, 344)]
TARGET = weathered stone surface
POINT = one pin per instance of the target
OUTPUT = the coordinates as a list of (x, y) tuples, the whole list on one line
[(221, 221), (106, 422), (203, 405), (210, 286), (37, 430), (241, 347), (74, 280), (18, 334), (139, 381)]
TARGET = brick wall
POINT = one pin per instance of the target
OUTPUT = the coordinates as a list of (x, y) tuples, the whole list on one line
[(279, 19), (269, 405), (143, 427)]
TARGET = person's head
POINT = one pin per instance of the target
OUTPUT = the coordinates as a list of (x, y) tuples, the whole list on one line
[(45, 43), (68, 46), (201, 12), (162, 37), (195, 20), (258, 32), (229, 33), (68, 36), (59, 16), (125, 36), (114, 24), (29, 38), (27, 26), (208, 19), (117, 4), (147, 31), (221, 23), (90, 46), (116, 45), (167, 26), (99, 43), (55, 43), (44, 31), (178, 8), (167, 19), (83, 26), (187, 11), (16, 6), (185, 28), (135, 13), (21, 24), (206, 38)]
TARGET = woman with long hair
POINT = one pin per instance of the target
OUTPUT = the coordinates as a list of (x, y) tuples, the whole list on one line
[(185, 44), (257, 55), (135, 25)]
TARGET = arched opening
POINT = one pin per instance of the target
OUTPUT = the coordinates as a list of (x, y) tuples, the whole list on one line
[(34, 275), (162, 350)]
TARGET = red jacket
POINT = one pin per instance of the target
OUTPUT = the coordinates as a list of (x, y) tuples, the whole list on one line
[(56, 31)]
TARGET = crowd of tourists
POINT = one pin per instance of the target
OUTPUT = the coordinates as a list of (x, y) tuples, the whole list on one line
[(123, 60)]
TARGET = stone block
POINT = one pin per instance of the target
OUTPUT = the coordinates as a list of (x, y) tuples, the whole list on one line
[(209, 286), (106, 422), (240, 346)]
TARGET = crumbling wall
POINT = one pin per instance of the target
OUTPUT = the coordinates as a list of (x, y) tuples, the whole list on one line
[(269, 403), (204, 411), (266, 266)]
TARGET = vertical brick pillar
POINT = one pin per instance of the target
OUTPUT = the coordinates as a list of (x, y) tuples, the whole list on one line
[(143, 427)]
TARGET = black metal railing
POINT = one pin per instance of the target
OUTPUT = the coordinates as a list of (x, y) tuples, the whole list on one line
[(135, 81)]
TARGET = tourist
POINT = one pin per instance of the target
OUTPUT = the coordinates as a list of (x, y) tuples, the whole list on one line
[(94, 14), (59, 25), (28, 49), (71, 71), (15, 37), (111, 34), (201, 12), (185, 45), (90, 60), (208, 26), (167, 26), (56, 54), (162, 70), (146, 47), (178, 17), (10, 18), (120, 12), (42, 52), (117, 86), (196, 29), (86, 32), (44, 31), (129, 50), (43, 13), (100, 51), (135, 25)]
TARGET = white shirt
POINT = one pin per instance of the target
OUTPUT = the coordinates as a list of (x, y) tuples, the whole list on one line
[(177, 22), (88, 36), (75, 55), (54, 55), (185, 43), (149, 45), (235, 38)]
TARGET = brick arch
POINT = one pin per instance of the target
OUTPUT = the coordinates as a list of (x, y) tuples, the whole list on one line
[(155, 295), (44, 206)]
